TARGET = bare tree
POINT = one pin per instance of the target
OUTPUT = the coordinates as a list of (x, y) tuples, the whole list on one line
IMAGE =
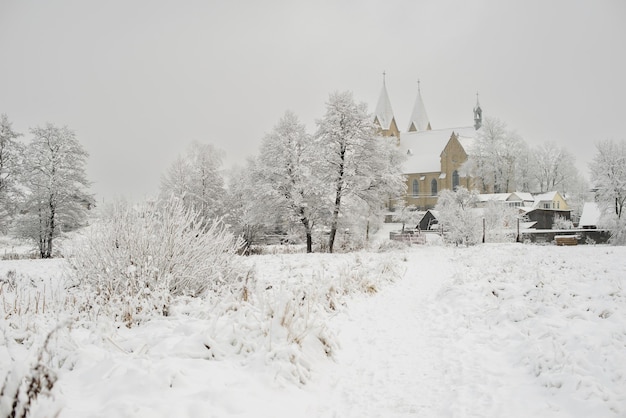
[(56, 184)]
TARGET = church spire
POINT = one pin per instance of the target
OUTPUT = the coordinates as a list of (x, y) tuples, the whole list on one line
[(383, 115), (478, 114), (419, 118)]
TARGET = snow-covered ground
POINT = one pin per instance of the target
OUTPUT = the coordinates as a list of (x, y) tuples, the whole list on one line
[(488, 331)]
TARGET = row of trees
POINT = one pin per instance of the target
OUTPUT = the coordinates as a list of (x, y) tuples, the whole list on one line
[(43, 186), (337, 179), (503, 162)]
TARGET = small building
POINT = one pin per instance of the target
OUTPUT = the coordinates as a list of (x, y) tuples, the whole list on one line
[(590, 216), (429, 219)]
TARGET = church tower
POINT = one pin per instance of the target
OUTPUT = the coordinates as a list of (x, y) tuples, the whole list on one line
[(478, 115), (419, 118), (383, 116)]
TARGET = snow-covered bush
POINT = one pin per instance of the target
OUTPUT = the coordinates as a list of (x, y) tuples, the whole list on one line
[(458, 217), (500, 222), (23, 382), (139, 257), (281, 316), (561, 223)]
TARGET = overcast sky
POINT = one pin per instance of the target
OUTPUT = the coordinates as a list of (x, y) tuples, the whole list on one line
[(139, 80)]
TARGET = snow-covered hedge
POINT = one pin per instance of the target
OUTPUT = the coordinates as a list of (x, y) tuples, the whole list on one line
[(138, 257)]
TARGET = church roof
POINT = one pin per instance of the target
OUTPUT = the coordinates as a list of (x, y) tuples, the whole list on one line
[(384, 112), (419, 118), (423, 148)]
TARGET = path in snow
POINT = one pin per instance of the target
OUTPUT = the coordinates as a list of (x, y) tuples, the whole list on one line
[(404, 354)]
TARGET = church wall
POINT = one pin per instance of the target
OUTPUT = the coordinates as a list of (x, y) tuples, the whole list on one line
[(453, 157), (425, 199)]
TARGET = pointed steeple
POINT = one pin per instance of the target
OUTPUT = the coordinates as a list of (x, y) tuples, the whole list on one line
[(383, 115), (478, 114), (419, 118)]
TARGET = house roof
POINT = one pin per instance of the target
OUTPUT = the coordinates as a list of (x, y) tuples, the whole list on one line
[(486, 197), (384, 112), (426, 147), (547, 196), (525, 196), (591, 215)]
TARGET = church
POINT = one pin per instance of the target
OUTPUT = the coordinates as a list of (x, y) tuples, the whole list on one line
[(433, 156)]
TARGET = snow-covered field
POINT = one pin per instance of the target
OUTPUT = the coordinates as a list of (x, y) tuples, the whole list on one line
[(487, 331)]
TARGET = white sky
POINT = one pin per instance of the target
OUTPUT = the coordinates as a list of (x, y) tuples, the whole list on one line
[(138, 81)]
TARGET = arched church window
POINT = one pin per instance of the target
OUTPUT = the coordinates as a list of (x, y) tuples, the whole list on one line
[(433, 187), (455, 180), (416, 187)]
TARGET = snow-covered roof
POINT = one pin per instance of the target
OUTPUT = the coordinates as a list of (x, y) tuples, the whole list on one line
[(590, 216), (486, 197), (544, 197), (525, 196), (384, 112), (426, 148), (419, 118)]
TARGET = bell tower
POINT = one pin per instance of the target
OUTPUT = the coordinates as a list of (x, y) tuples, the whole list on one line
[(478, 114), (383, 116)]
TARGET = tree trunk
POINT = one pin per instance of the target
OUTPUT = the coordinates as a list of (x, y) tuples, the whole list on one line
[(309, 236), (335, 221), (50, 230)]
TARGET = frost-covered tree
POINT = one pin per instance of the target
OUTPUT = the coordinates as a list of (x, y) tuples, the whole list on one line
[(286, 175), (500, 221), (11, 156), (458, 217), (56, 186), (524, 174), (243, 215), (494, 157), (195, 178), (553, 167), (354, 165), (608, 176), (405, 214)]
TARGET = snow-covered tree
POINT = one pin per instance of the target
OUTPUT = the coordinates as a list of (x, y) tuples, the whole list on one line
[(608, 176), (56, 186), (500, 221), (494, 157), (196, 179), (524, 175), (458, 217), (405, 214), (11, 155), (553, 167), (286, 175), (243, 216), (354, 163)]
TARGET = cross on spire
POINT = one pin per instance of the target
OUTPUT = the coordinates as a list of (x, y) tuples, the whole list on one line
[(384, 74), (418, 85)]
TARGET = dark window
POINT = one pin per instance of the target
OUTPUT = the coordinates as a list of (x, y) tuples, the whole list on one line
[(455, 180), (416, 188), (433, 187)]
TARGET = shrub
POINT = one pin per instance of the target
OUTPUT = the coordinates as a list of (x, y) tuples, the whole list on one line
[(139, 257)]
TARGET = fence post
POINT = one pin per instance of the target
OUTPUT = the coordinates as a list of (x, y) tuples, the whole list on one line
[(483, 230)]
